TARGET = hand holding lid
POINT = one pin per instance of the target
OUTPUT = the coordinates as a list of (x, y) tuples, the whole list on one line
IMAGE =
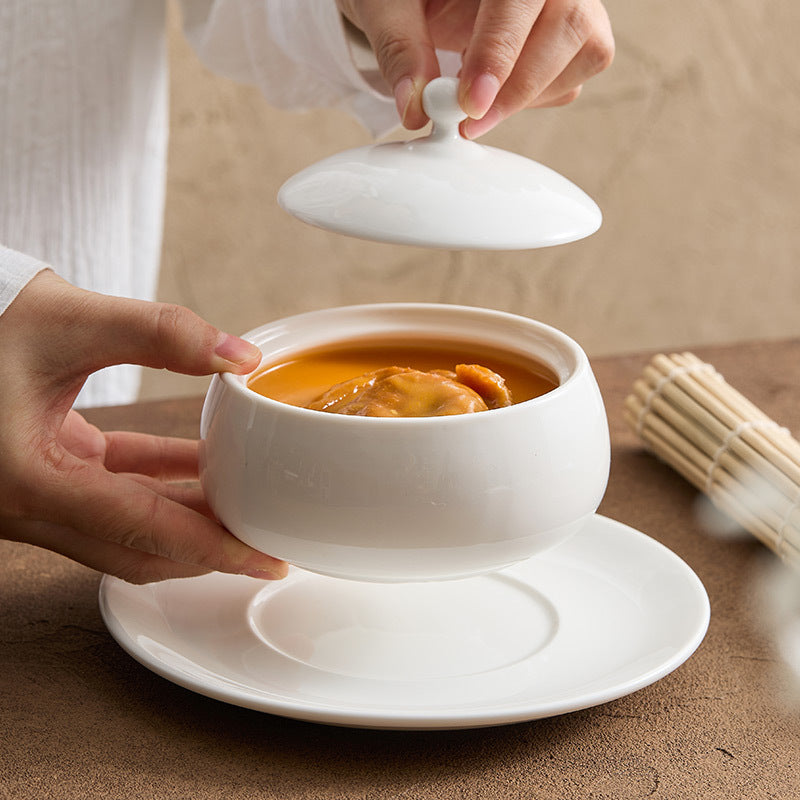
[(441, 190)]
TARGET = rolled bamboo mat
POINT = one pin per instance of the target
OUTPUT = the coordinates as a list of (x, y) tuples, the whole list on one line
[(747, 464)]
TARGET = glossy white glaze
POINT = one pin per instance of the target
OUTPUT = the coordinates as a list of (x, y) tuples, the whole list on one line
[(385, 499), (601, 615), (441, 191)]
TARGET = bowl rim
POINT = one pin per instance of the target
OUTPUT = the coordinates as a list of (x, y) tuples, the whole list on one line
[(566, 344)]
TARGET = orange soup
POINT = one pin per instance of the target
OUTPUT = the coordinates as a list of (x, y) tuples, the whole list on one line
[(304, 377)]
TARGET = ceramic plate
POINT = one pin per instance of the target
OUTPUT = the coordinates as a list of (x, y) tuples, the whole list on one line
[(598, 617)]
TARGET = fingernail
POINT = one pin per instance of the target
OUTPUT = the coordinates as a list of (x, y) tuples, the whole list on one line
[(266, 574), (403, 94), (480, 95), (235, 350), (473, 128)]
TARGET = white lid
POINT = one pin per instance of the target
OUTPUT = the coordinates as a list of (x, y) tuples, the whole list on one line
[(441, 190)]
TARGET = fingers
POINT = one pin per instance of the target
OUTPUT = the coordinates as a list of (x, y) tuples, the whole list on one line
[(167, 458), (152, 460), (592, 58), (401, 41), (81, 438), (501, 31), (518, 54), (88, 546), (111, 558), (570, 41), (114, 508), (189, 494)]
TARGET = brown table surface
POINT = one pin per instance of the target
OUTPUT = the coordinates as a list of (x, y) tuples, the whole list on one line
[(81, 719)]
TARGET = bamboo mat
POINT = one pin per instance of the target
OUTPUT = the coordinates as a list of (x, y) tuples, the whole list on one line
[(745, 462)]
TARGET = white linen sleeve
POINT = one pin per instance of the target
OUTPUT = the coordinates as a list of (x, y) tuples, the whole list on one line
[(16, 269), (297, 52)]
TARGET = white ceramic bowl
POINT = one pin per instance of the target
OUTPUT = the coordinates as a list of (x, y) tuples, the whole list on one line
[(387, 499)]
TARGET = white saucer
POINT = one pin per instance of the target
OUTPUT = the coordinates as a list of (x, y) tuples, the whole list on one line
[(598, 617)]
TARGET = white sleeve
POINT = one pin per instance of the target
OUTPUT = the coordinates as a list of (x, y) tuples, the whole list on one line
[(297, 52), (16, 269)]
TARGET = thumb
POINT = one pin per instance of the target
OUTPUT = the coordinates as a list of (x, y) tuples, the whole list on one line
[(163, 336), (68, 332), (398, 34)]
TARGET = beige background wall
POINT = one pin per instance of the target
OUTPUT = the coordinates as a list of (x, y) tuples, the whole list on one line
[(690, 144)]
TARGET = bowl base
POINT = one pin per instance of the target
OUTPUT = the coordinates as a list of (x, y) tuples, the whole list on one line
[(408, 631)]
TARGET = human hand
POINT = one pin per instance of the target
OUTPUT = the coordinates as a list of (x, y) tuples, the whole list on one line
[(111, 501), (516, 53)]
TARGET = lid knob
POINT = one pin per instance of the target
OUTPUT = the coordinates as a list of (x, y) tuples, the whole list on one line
[(440, 103)]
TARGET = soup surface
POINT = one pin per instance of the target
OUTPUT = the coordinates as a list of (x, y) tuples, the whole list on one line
[(308, 375)]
